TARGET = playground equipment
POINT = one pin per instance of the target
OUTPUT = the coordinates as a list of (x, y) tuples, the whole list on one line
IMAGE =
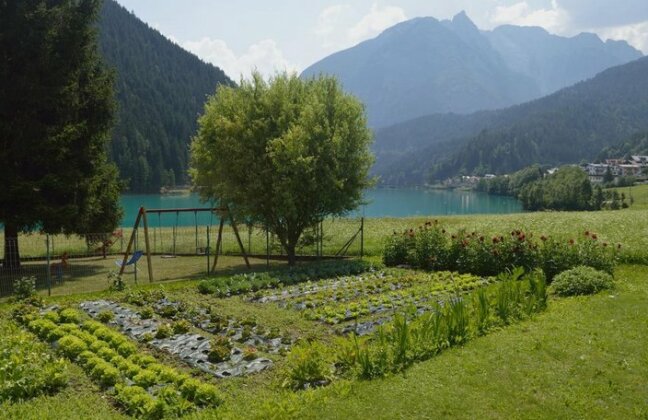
[(222, 212)]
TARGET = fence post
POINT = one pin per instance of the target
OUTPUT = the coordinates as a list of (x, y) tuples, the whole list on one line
[(267, 248), (49, 272), (361, 238), (136, 248), (207, 250)]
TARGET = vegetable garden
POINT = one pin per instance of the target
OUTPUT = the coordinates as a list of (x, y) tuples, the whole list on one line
[(193, 347)]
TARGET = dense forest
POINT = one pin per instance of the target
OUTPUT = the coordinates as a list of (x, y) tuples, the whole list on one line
[(160, 90), (634, 145), (568, 126)]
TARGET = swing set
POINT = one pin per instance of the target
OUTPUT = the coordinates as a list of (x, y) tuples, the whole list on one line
[(222, 212)]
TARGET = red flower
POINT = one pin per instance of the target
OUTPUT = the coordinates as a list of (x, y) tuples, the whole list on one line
[(495, 239), (571, 242), (587, 233), (594, 237), (481, 239)]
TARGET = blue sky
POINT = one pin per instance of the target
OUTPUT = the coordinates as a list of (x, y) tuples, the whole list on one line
[(291, 34)]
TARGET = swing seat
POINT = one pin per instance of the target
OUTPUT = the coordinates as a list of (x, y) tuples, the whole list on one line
[(133, 259)]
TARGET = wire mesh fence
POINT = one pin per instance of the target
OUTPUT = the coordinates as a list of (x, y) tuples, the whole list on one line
[(82, 263)]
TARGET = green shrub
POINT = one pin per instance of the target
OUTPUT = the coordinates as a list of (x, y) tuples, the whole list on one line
[(70, 316), (104, 373), (250, 353), (397, 249), (147, 312), (24, 313), (106, 316), (98, 344), (56, 334), (72, 346), (126, 349), (142, 360), (307, 364), (92, 326), (207, 395), (220, 349), (164, 331), (146, 378), (53, 316), (581, 281), (42, 328), (24, 287), (174, 404), (181, 327), (107, 353), (137, 401)]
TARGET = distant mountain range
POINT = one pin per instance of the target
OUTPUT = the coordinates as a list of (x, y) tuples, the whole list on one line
[(425, 66), (568, 126), (161, 90)]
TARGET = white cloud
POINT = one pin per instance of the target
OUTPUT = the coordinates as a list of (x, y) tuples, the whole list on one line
[(329, 19), (554, 19), (340, 26), (264, 56), (636, 35), (376, 21)]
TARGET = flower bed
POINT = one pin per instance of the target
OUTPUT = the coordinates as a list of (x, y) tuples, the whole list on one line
[(432, 247)]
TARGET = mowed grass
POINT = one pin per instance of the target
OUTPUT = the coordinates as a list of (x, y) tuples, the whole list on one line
[(586, 357), (637, 194)]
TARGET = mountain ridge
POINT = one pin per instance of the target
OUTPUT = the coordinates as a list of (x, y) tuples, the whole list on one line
[(424, 66), (564, 127)]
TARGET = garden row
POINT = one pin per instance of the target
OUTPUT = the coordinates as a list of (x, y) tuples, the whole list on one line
[(28, 368), (218, 356), (139, 383), (245, 283), (432, 247), (409, 338), (365, 296)]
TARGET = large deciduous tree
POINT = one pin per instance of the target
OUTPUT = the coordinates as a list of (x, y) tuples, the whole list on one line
[(56, 112), (285, 152)]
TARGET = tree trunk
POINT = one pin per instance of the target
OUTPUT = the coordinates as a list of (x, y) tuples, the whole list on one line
[(290, 250), (11, 251)]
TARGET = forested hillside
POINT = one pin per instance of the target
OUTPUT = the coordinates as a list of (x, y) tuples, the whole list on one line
[(565, 127), (635, 145), (161, 89), (571, 125)]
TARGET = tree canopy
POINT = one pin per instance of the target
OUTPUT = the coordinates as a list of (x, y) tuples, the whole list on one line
[(56, 113), (285, 152)]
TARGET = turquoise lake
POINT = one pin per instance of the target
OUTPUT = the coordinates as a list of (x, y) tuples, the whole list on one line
[(380, 203)]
